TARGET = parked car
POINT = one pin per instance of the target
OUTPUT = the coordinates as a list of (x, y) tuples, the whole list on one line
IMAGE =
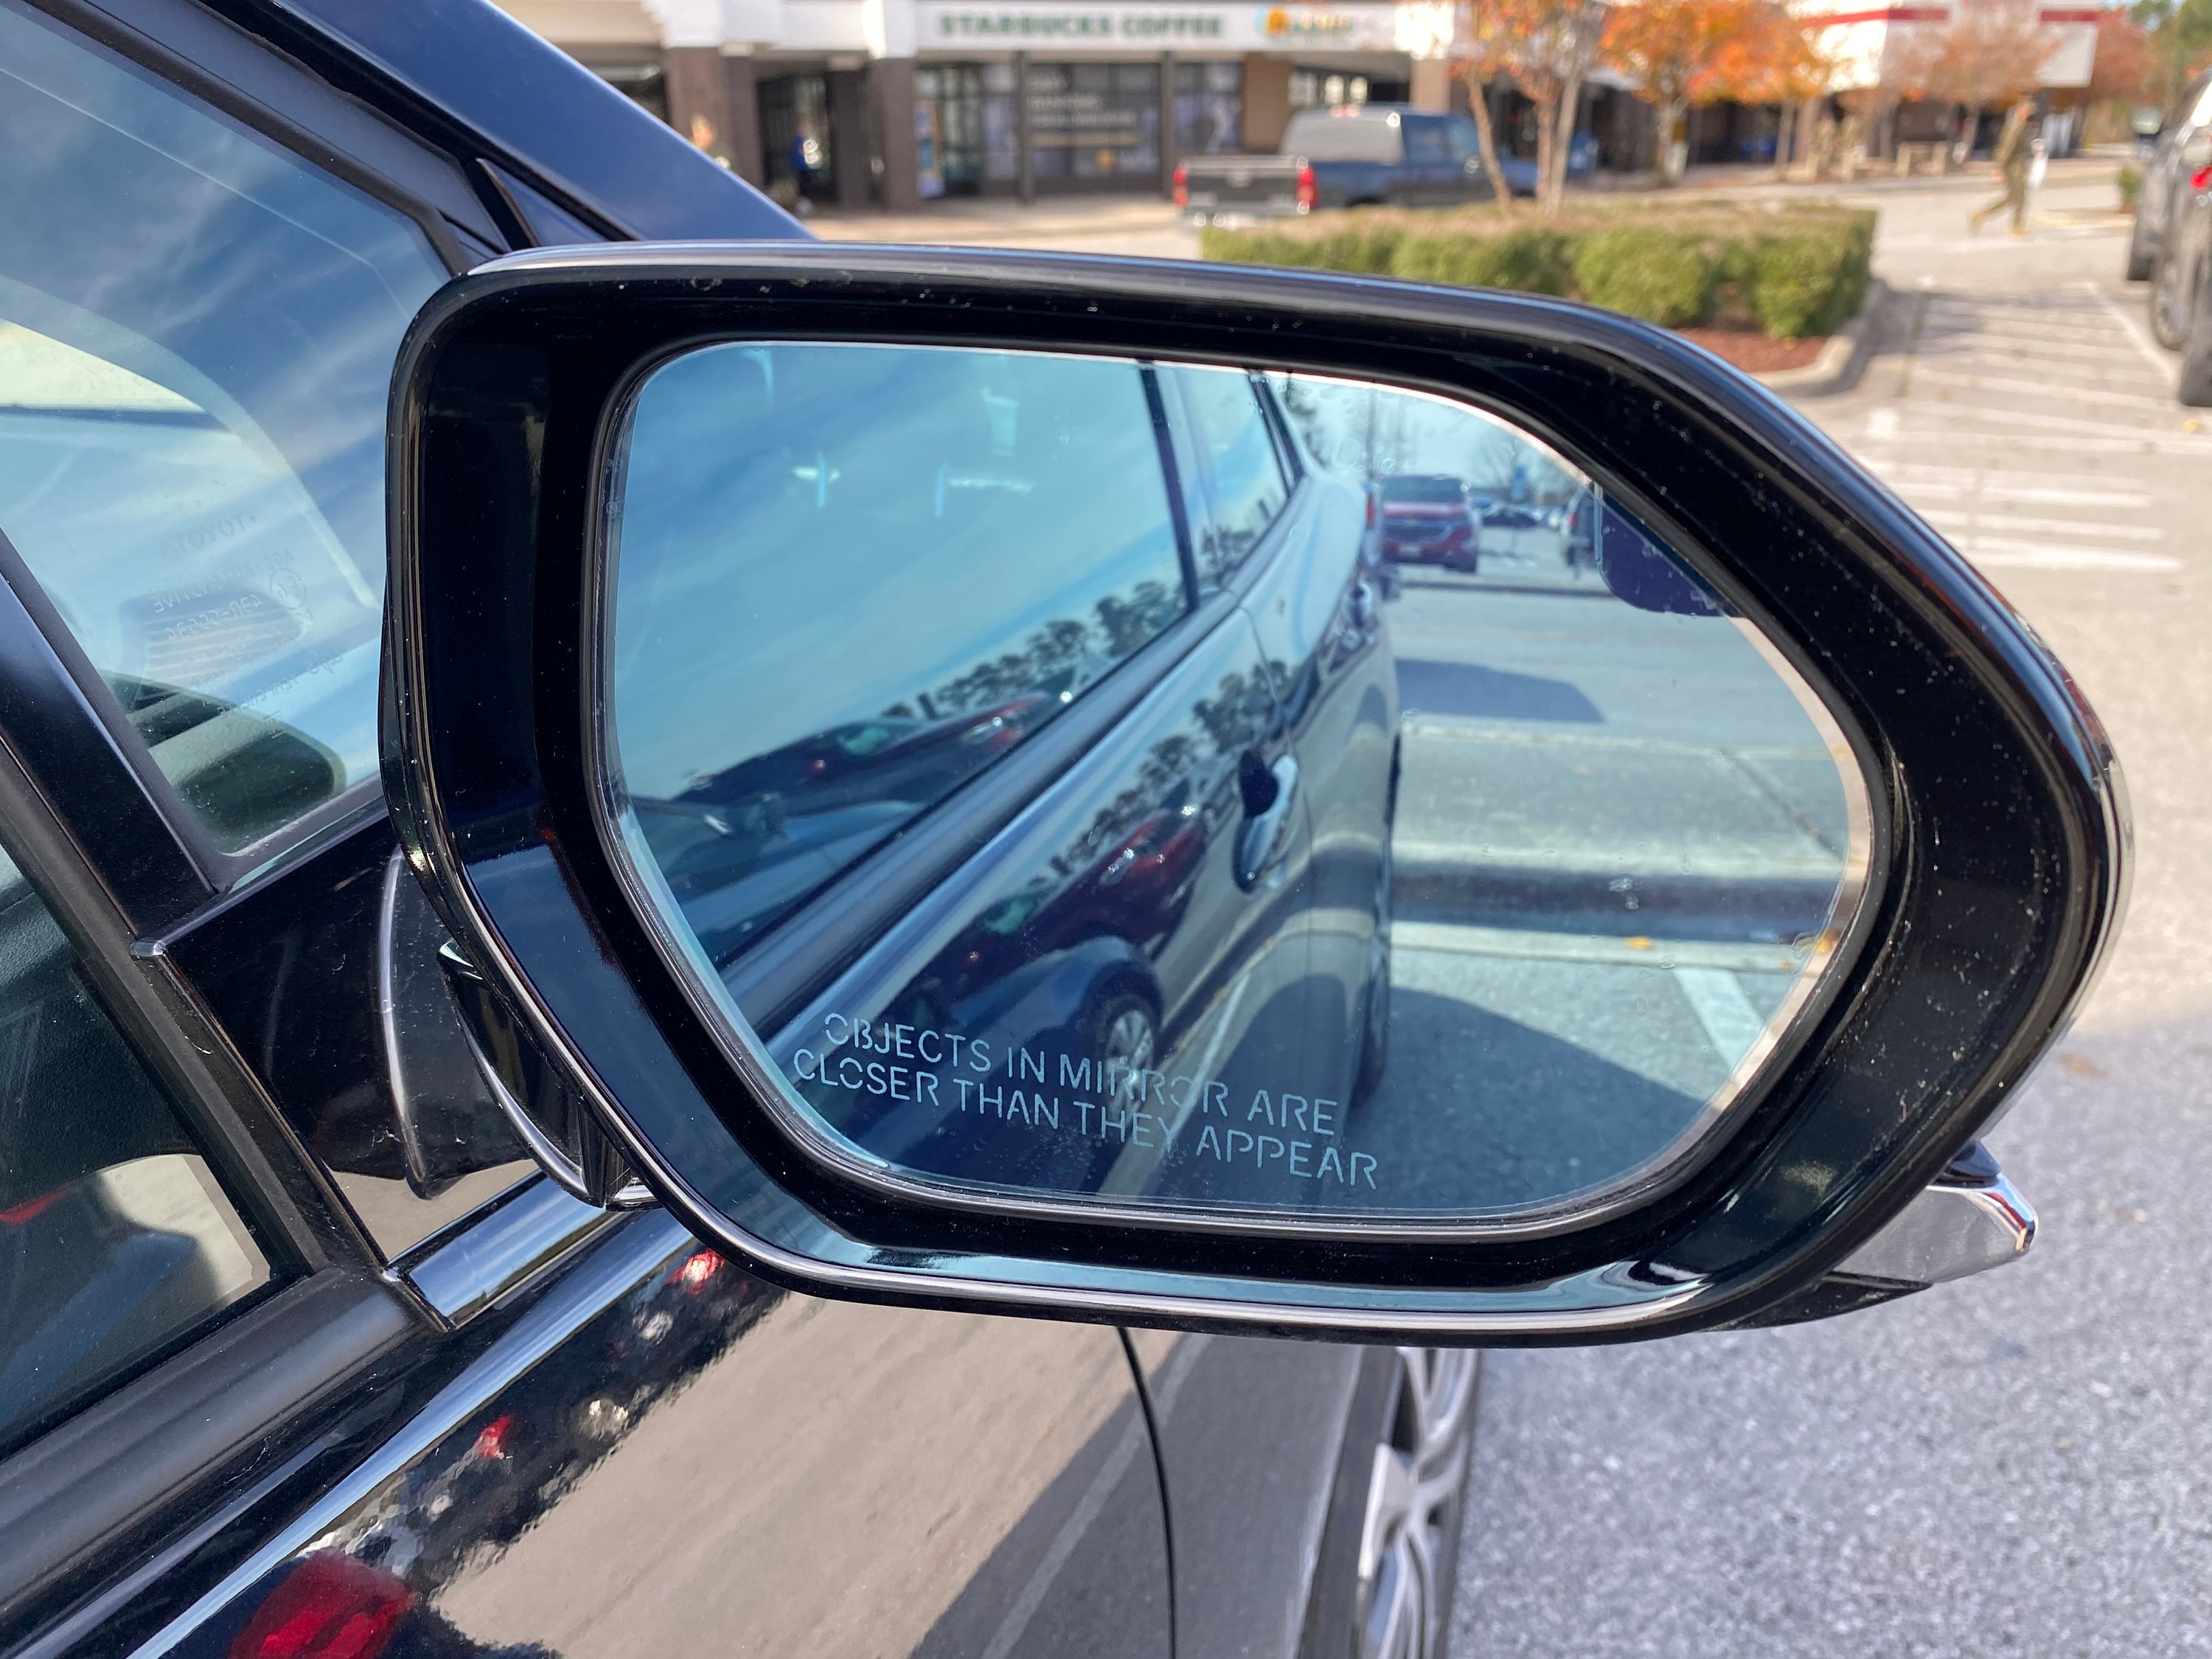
[(1346, 155), (2166, 173), (1427, 518), (349, 1310), (2172, 241)]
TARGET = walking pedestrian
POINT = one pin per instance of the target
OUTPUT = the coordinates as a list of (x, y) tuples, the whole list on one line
[(2013, 158)]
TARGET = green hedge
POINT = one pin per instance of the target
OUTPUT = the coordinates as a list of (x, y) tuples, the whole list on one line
[(1794, 272)]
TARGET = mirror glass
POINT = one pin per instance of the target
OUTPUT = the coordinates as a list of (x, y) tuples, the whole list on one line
[(1297, 796)]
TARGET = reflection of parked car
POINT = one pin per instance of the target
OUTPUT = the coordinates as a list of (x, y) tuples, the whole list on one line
[(1427, 520), (302, 1357)]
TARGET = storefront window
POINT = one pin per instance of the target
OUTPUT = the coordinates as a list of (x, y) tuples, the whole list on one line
[(1002, 130), (795, 146), (964, 128), (1209, 108), (1095, 126), (1326, 87)]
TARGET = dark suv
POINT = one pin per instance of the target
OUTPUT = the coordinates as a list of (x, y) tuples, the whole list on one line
[(302, 1354), (2170, 243)]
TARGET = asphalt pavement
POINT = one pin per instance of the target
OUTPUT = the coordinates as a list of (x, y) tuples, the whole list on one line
[(2019, 1464)]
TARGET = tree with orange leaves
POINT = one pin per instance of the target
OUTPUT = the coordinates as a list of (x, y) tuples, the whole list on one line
[(1547, 47), (1674, 50), (2124, 66), (1482, 44), (1990, 53), (1686, 53)]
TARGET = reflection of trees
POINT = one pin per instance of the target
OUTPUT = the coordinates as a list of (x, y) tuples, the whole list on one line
[(1365, 431), (1065, 649), (1226, 724)]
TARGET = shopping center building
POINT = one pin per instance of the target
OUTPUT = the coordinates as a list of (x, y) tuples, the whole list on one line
[(891, 103)]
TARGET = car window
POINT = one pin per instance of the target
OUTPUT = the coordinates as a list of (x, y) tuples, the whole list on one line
[(197, 334), (1465, 143), (1344, 134), (1425, 142), (115, 1241), (1244, 472), (899, 565)]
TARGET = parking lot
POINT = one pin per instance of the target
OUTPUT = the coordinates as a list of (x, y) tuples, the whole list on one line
[(2012, 1464)]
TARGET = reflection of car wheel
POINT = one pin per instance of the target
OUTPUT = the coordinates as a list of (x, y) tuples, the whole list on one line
[(2169, 304), (1124, 1030), (1416, 1497)]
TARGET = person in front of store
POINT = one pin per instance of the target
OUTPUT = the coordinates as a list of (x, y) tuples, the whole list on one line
[(805, 163)]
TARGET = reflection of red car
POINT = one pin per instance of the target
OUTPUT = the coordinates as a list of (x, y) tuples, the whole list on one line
[(1426, 521), (1137, 889)]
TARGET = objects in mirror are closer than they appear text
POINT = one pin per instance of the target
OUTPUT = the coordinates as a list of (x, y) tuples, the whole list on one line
[(1291, 1134)]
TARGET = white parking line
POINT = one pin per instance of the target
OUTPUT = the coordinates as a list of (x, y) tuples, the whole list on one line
[(2162, 362), (1731, 1023), (2044, 389), (2010, 521), (1982, 487), (2001, 555)]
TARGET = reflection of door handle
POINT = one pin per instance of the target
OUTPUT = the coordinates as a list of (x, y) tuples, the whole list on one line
[(1267, 829)]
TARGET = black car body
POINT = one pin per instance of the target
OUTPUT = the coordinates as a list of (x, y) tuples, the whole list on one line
[(438, 1406)]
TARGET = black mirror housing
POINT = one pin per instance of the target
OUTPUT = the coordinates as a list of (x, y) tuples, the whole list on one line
[(1996, 834)]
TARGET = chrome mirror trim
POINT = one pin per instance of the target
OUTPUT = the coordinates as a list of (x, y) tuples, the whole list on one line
[(1951, 1231)]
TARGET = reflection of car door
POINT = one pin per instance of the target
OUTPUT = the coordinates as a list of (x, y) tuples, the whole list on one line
[(1124, 959), (1321, 626)]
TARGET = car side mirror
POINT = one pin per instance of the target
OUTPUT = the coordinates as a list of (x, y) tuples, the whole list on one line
[(910, 755), (2196, 151)]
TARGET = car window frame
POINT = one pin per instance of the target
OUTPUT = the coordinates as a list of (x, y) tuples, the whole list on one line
[(1201, 494), (288, 108)]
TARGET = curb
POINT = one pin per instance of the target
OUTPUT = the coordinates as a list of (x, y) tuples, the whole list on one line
[(1836, 368)]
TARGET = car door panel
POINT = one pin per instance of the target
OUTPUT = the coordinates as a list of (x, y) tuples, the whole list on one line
[(1322, 629), (1250, 1432), (664, 1454)]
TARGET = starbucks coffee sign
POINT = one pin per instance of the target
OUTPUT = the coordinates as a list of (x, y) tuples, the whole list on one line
[(1359, 26)]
